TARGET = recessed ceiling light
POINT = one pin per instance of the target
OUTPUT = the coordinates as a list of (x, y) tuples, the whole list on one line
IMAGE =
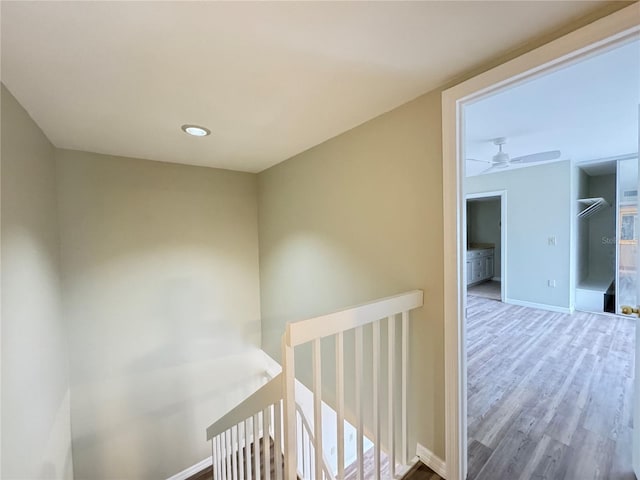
[(196, 130)]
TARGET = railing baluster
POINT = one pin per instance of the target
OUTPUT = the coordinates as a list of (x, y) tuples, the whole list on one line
[(359, 352), (220, 457), (340, 403), (227, 459), (240, 452), (310, 457), (277, 434), (214, 459), (256, 448), (234, 457), (247, 449), (289, 409), (221, 449), (317, 406), (312, 462), (302, 446), (266, 441), (376, 400), (405, 379), (391, 356)]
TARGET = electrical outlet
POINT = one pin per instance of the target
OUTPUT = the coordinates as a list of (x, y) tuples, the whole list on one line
[(552, 241), (552, 283)]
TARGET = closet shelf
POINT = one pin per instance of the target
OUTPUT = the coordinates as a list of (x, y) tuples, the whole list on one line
[(593, 205)]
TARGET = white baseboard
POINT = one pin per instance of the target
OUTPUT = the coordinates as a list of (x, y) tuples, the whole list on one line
[(541, 306), (192, 470), (431, 460), (496, 279)]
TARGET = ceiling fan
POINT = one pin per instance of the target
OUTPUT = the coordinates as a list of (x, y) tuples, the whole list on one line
[(502, 160)]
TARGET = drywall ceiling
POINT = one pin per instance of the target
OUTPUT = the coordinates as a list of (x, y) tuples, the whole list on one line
[(270, 79), (587, 110)]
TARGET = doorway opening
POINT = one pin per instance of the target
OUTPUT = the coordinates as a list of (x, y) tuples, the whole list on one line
[(550, 283), (526, 387), (606, 239), (486, 245)]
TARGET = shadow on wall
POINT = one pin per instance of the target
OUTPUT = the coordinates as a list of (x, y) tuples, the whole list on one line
[(147, 410)]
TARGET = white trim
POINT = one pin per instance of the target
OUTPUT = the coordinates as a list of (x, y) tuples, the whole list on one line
[(490, 194), (192, 470), (496, 279), (594, 37), (573, 233), (402, 471), (311, 329), (431, 460), (539, 306)]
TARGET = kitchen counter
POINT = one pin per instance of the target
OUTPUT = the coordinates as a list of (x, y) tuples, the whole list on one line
[(480, 246)]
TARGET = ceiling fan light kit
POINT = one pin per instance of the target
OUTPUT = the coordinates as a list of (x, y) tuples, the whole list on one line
[(500, 157)]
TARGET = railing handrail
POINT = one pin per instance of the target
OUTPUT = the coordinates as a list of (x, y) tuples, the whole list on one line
[(267, 395), (304, 331)]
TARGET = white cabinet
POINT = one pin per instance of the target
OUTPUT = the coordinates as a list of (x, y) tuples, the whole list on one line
[(488, 266), (479, 265)]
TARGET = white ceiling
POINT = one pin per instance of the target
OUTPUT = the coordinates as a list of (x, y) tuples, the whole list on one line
[(588, 110), (270, 79)]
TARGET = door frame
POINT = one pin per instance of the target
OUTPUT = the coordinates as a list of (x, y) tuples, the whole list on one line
[(502, 194), (593, 38)]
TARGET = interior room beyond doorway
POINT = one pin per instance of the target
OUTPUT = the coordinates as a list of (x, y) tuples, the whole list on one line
[(484, 247)]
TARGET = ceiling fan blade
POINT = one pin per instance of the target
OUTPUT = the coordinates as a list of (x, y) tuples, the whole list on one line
[(537, 157), (496, 168), (476, 160)]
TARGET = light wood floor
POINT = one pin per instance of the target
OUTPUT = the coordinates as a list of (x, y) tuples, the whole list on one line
[(549, 394), (421, 472), (418, 472), (490, 289)]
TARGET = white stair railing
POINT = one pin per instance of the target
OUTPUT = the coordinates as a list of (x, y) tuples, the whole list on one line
[(273, 412), (306, 450), (335, 325), (254, 422), (233, 436)]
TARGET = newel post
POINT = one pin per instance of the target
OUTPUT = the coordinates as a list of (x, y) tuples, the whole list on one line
[(289, 407)]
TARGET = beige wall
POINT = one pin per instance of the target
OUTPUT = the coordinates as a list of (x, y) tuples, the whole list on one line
[(357, 218), (161, 279), (160, 272), (36, 439)]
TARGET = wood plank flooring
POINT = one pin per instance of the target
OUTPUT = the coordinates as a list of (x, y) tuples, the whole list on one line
[(421, 472), (549, 394), (418, 472), (208, 474), (490, 289)]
